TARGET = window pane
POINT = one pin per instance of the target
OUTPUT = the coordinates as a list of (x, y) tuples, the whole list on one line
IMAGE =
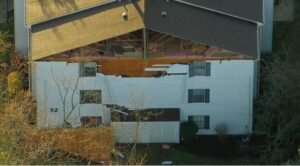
[(199, 72), (90, 97), (87, 69), (200, 69), (200, 121), (198, 98)]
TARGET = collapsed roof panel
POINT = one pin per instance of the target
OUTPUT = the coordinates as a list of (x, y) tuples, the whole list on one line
[(203, 26), (84, 28), (246, 9)]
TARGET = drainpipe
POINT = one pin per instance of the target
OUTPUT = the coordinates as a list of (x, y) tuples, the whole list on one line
[(6, 11), (145, 37)]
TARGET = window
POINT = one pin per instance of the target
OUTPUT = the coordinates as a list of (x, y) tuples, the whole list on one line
[(201, 121), (198, 96), (91, 121), (87, 69), (199, 69), (90, 97)]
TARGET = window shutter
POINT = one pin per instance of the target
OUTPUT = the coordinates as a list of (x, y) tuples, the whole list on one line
[(208, 66), (99, 96), (81, 97), (207, 96), (206, 122), (191, 73), (190, 96), (81, 70)]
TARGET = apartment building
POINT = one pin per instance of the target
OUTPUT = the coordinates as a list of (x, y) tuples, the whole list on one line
[(96, 62)]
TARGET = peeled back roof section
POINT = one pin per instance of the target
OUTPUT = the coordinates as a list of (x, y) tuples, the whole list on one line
[(226, 26)]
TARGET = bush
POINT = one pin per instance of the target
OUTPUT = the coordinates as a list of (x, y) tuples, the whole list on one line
[(14, 83), (188, 131), (221, 131), (5, 47), (211, 146)]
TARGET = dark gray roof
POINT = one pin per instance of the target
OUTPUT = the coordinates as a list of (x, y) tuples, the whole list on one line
[(247, 9), (203, 26)]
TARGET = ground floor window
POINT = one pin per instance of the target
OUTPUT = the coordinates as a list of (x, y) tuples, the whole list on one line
[(91, 121), (201, 121), (90, 97)]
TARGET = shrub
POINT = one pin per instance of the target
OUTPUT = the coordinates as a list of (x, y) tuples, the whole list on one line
[(5, 47), (221, 131), (14, 83), (188, 131)]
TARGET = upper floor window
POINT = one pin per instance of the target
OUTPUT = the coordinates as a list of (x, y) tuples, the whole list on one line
[(90, 97), (201, 121), (88, 69), (200, 69), (199, 96)]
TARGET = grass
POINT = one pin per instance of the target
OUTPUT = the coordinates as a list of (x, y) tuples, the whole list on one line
[(179, 156)]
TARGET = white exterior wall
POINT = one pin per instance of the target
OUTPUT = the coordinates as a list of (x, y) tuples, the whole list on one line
[(147, 132), (230, 84)]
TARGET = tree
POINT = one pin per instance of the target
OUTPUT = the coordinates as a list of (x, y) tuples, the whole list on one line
[(277, 113)]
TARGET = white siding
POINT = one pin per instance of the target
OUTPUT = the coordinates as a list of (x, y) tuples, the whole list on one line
[(230, 84), (146, 132)]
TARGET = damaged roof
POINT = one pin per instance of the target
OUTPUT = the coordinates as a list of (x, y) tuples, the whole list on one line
[(227, 24)]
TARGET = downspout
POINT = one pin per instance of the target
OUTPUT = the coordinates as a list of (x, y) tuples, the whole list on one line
[(250, 128), (6, 11), (145, 40)]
